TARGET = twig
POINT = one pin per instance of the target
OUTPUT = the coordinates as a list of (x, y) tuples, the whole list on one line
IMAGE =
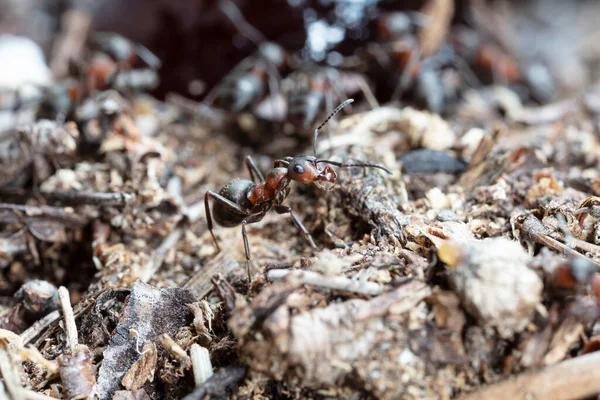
[(71, 328), (329, 282), (8, 214), (201, 364), (534, 230), (38, 326), (576, 378), (73, 197), (175, 350)]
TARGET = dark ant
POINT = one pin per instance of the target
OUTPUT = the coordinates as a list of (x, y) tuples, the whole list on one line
[(112, 63), (309, 88), (247, 84), (243, 202), (494, 63)]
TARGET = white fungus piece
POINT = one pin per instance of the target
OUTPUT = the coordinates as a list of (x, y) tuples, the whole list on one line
[(494, 283)]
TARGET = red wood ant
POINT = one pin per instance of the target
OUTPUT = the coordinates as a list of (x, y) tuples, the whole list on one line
[(243, 202)]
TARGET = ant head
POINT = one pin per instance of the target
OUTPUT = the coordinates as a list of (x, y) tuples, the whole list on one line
[(307, 169)]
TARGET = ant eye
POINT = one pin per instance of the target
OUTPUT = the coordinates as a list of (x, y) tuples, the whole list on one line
[(298, 169)]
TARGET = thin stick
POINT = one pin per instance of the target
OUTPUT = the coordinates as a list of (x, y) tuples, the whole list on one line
[(38, 326), (73, 197), (7, 213), (329, 282), (576, 378), (71, 327)]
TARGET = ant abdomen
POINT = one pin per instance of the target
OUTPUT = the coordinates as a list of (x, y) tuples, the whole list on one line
[(236, 191)]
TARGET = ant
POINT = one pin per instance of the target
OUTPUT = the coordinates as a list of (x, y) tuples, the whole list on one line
[(248, 82), (243, 202), (307, 89)]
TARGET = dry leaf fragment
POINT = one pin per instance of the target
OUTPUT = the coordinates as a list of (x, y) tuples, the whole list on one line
[(142, 370)]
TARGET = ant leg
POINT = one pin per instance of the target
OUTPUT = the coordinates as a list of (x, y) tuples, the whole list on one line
[(254, 171), (216, 90), (224, 202), (247, 250), (234, 14), (250, 220), (209, 219), (273, 81), (367, 92), (287, 210)]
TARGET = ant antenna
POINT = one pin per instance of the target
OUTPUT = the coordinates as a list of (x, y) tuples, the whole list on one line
[(346, 165), (337, 110)]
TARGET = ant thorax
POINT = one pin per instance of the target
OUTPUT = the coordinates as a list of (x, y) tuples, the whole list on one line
[(272, 189)]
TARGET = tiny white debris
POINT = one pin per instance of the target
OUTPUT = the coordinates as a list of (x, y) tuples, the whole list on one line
[(406, 357), (200, 364), (437, 199)]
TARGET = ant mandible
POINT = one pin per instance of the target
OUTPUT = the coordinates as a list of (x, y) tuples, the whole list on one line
[(243, 202)]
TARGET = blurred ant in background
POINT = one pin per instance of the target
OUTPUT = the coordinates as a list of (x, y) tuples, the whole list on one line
[(432, 81), (256, 83), (113, 63), (494, 64), (249, 81), (243, 202)]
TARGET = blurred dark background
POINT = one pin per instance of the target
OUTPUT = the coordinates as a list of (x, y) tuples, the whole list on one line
[(198, 43)]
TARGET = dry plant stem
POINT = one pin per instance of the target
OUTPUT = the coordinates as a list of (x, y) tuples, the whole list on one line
[(118, 199), (329, 282), (584, 246), (7, 213), (72, 197), (38, 326), (572, 379), (175, 350), (533, 229), (71, 328), (201, 364)]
